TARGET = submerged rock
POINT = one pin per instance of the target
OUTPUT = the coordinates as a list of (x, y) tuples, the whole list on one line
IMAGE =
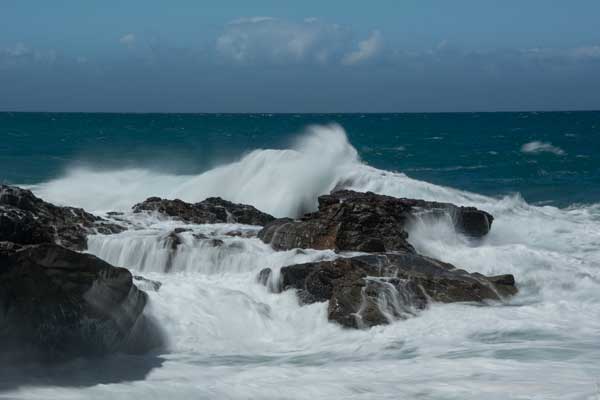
[(56, 304), (376, 289), (210, 211), (367, 222), (146, 284), (26, 219)]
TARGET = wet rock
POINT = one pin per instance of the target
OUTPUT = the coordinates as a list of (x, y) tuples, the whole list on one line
[(26, 219), (216, 242), (173, 240), (57, 304), (210, 211), (146, 284), (371, 290), (366, 222), (263, 276)]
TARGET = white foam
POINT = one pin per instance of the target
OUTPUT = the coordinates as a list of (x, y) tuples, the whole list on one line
[(542, 147)]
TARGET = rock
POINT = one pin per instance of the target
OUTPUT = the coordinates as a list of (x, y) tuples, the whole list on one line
[(210, 211), (26, 219), (263, 276), (376, 289), (215, 242), (366, 222), (173, 240), (146, 284), (57, 304)]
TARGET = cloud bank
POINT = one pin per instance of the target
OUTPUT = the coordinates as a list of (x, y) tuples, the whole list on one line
[(267, 64)]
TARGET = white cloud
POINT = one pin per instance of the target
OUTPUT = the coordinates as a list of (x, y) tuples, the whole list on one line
[(128, 39), (18, 50), (586, 52), (269, 40), (20, 54), (366, 49)]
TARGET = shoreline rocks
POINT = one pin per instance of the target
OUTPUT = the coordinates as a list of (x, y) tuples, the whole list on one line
[(209, 211), (369, 290), (56, 304), (391, 283), (27, 219), (367, 222)]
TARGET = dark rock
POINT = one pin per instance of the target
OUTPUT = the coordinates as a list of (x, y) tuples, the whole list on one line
[(56, 304), (26, 219), (210, 211), (173, 240), (263, 276), (375, 289), (368, 222), (216, 242), (146, 284)]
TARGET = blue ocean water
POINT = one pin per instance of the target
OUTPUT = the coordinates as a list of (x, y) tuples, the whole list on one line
[(478, 152)]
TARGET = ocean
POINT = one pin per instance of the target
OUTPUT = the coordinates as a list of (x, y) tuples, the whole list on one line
[(228, 337)]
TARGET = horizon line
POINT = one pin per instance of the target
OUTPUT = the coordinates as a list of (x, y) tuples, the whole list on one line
[(296, 113)]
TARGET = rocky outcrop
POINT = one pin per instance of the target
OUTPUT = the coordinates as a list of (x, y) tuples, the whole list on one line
[(376, 289), (56, 303), (210, 211), (26, 219), (368, 222)]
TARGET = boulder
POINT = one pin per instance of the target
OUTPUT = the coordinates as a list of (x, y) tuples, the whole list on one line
[(367, 222), (376, 289), (210, 211), (56, 304), (26, 219)]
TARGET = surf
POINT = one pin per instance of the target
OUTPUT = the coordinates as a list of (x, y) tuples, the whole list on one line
[(222, 323)]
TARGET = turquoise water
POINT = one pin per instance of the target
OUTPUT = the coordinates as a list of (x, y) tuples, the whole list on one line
[(478, 152)]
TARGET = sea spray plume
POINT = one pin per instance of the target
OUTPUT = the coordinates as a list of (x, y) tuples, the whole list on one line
[(279, 182)]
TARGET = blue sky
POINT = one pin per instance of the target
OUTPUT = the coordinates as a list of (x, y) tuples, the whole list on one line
[(309, 56)]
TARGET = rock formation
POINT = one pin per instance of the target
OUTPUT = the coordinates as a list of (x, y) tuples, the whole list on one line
[(391, 284), (210, 211), (56, 303), (375, 289), (353, 221), (26, 219)]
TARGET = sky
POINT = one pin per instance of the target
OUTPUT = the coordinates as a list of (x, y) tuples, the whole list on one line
[(308, 56)]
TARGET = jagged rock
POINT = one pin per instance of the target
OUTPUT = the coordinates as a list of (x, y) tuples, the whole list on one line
[(263, 276), (56, 304), (26, 219), (367, 222), (216, 242), (146, 284), (173, 240), (210, 211), (370, 290)]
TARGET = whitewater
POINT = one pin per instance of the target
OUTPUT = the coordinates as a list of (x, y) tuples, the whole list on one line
[(226, 336)]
